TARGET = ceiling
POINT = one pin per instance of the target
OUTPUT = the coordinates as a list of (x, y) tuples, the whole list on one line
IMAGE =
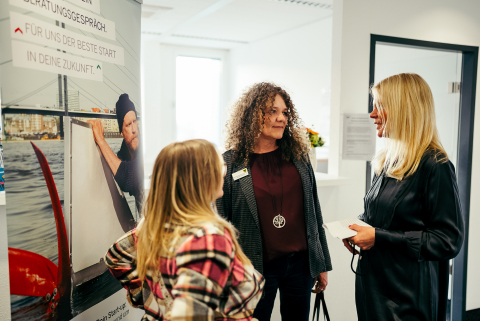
[(226, 23)]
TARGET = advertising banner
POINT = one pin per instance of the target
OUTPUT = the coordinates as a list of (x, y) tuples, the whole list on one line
[(92, 5), (30, 56), (72, 168), (71, 15), (27, 28)]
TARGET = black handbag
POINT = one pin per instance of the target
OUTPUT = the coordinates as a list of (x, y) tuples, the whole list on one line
[(320, 298)]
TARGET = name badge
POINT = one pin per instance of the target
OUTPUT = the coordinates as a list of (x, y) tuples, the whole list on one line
[(240, 174)]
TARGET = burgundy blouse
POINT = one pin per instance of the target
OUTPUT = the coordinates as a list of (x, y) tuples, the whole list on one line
[(278, 242)]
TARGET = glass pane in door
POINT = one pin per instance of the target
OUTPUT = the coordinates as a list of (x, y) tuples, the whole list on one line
[(438, 68)]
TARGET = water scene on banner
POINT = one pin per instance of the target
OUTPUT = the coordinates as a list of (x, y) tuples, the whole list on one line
[(31, 223)]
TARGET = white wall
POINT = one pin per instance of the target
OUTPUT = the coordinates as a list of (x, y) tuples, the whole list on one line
[(353, 22), (298, 60), (154, 135)]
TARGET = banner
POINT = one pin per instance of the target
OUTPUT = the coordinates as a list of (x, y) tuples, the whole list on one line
[(30, 56), (70, 99), (92, 5), (69, 14), (27, 28)]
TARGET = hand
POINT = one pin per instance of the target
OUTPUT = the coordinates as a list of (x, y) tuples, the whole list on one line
[(349, 247), (97, 127), (365, 238), (320, 282)]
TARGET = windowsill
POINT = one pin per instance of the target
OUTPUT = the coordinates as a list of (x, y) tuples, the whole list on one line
[(331, 180)]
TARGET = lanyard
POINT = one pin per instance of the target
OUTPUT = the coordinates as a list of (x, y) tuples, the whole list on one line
[(360, 255)]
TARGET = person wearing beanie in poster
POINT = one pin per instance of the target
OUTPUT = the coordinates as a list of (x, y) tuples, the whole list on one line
[(127, 165)]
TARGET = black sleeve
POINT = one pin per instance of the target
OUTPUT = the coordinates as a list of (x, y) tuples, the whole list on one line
[(321, 230), (129, 177), (224, 203), (443, 235)]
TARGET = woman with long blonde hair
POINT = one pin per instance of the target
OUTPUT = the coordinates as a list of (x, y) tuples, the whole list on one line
[(412, 206), (183, 261)]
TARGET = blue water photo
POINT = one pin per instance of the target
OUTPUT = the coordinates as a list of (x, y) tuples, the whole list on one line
[(31, 222)]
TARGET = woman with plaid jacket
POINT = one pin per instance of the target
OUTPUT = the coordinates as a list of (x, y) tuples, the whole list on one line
[(183, 261)]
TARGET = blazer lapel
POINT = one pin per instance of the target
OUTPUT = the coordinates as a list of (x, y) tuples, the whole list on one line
[(384, 211), (246, 183)]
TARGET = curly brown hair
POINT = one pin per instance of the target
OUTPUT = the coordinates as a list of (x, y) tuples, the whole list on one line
[(247, 119)]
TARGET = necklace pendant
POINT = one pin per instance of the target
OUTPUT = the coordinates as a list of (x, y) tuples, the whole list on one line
[(279, 221)]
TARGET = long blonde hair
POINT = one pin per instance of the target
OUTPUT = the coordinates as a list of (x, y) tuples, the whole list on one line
[(185, 179), (410, 126)]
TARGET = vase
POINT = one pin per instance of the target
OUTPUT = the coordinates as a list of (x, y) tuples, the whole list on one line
[(313, 157)]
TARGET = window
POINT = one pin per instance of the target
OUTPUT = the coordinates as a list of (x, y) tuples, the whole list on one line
[(198, 98)]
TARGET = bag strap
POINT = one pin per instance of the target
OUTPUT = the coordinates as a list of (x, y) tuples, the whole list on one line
[(316, 310)]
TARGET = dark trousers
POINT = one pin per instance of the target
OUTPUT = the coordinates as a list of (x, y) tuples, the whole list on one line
[(291, 275)]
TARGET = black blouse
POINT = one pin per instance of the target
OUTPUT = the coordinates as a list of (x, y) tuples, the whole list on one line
[(419, 227)]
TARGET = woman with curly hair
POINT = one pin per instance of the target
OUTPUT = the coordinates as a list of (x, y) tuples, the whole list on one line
[(270, 196)]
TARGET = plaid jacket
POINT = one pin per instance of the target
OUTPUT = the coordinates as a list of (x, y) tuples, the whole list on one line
[(204, 281)]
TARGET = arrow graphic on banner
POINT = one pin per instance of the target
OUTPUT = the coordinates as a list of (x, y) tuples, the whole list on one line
[(98, 67), (18, 29)]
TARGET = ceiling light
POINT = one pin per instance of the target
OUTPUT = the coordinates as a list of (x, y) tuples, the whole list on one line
[(208, 38), (314, 4), (153, 33)]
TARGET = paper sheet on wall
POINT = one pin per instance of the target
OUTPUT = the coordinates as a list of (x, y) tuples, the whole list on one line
[(358, 137)]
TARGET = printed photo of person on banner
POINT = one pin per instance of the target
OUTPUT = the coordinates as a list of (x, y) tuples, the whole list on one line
[(127, 165)]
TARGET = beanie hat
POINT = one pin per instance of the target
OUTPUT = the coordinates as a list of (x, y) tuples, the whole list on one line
[(123, 106)]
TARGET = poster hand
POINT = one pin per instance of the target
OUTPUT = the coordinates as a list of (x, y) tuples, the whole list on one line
[(97, 128)]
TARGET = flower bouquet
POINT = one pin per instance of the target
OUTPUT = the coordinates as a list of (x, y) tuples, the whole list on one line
[(315, 140)]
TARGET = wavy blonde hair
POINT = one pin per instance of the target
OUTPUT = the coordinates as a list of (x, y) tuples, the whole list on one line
[(410, 126), (185, 179), (247, 119)]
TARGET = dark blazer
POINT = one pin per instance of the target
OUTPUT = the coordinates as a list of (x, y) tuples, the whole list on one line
[(238, 205), (418, 228)]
